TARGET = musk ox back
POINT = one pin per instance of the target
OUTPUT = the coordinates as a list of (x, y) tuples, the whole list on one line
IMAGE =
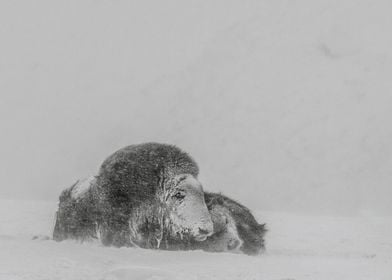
[(77, 215), (143, 195)]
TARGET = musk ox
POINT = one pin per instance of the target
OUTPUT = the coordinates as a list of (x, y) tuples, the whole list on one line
[(78, 215), (235, 228), (148, 196), (77, 219), (225, 237), (143, 195)]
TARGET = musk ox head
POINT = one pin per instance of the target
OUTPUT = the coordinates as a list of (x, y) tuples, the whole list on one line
[(225, 237), (238, 224), (176, 216), (187, 215)]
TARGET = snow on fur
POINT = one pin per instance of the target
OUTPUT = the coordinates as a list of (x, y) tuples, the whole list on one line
[(143, 195), (82, 187)]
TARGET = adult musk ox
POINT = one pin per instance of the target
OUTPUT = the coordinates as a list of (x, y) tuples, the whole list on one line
[(234, 227), (142, 196)]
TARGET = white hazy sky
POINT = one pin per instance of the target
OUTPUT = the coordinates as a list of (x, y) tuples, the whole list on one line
[(286, 105)]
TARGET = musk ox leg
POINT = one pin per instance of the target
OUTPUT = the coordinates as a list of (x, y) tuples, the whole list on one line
[(57, 232), (76, 217)]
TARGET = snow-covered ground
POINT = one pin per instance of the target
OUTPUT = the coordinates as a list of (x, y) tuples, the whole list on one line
[(298, 247), (283, 104)]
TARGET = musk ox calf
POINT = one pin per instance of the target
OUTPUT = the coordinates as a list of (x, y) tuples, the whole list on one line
[(143, 195), (235, 228)]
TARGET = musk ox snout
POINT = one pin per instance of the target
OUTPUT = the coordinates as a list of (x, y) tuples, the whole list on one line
[(204, 229)]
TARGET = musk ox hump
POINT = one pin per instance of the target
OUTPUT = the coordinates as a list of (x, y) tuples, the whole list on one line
[(152, 155), (134, 174)]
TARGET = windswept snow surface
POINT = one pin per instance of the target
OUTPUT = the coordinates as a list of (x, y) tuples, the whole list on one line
[(298, 247)]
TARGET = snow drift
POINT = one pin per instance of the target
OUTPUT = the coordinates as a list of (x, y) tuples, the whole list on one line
[(298, 247)]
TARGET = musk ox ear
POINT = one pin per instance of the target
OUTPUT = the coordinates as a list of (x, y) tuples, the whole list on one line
[(213, 198)]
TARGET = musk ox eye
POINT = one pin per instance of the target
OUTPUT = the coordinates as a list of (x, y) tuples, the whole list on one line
[(179, 195)]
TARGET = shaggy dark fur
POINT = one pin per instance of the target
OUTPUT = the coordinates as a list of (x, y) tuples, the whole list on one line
[(76, 218), (249, 230), (130, 178), (129, 183), (128, 188)]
